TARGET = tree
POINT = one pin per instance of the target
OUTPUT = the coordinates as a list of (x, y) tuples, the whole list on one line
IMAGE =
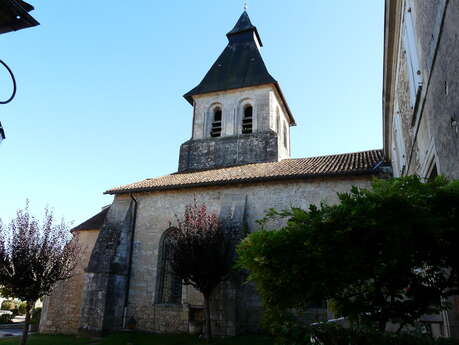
[(383, 254), (34, 256), (203, 253)]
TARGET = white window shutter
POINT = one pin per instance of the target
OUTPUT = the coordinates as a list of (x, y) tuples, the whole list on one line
[(398, 141), (412, 60)]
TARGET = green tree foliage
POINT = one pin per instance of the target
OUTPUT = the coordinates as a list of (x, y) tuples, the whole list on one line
[(8, 305), (389, 253), (332, 334), (22, 308)]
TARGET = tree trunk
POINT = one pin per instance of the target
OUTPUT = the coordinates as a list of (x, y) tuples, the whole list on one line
[(208, 334), (25, 331), (382, 325)]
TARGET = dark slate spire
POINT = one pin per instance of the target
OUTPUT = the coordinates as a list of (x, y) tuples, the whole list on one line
[(243, 25), (240, 64)]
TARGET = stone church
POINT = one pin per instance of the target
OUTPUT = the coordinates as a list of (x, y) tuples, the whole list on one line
[(237, 162)]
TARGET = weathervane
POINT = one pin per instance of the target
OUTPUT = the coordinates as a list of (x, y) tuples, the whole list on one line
[(245, 5)]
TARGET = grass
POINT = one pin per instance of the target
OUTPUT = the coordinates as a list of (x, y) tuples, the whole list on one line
[(136, 339)]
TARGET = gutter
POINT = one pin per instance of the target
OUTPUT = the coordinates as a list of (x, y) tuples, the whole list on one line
[(131, 252)]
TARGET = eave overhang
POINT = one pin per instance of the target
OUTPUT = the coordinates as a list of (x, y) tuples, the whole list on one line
[(14, 16)]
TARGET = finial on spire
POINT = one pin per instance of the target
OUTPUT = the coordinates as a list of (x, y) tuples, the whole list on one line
[(245, 6)]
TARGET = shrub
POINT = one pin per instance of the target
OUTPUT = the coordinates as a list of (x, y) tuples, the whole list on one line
[(332, 334), (8, 305), (22, 308), (381, 254)]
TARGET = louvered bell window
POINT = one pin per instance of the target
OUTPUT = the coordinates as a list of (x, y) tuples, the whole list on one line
[(247, 121), (216, 130)]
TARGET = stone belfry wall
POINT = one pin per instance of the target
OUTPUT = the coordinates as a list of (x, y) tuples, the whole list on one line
[(230, 151)]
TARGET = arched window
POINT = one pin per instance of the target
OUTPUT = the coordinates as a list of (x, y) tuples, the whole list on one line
[(216, 130), (247, 120), (168, 285)]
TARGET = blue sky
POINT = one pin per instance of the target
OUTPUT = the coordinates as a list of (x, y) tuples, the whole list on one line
[(100, 84)]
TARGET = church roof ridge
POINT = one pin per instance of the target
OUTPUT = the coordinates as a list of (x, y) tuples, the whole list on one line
[(344, 164)]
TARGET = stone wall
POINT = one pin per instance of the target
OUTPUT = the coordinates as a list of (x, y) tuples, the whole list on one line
[(100, 293), (228, 151), (237, 307), (429, 131), (270, 140), (61, 310), (442, 100)]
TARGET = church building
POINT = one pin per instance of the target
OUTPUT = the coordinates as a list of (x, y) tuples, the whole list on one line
[(237, 162)]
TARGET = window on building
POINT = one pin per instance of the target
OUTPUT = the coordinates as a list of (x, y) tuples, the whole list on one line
[(278, 129), (412, 60), (169, 286), (216, 130), (285, 136), (247, 121)]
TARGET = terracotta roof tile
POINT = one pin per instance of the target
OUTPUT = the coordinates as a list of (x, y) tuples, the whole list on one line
[(357, 163)]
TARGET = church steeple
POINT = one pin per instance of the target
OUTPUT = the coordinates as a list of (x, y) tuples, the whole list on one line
[(240, 113), (239, 65), (243, 25)]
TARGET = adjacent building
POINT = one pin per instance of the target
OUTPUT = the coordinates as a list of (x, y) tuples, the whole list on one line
[(421, 100)]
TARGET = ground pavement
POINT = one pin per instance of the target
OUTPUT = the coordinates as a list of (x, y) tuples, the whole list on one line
[(13, 329)]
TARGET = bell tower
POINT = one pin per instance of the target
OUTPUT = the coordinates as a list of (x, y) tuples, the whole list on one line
[(240, 115)]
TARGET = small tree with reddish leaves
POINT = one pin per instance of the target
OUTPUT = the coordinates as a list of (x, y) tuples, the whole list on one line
[(34, 256), (203, 253)]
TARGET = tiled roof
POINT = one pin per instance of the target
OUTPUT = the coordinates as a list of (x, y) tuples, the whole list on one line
[(94, 222), (358, 163)]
